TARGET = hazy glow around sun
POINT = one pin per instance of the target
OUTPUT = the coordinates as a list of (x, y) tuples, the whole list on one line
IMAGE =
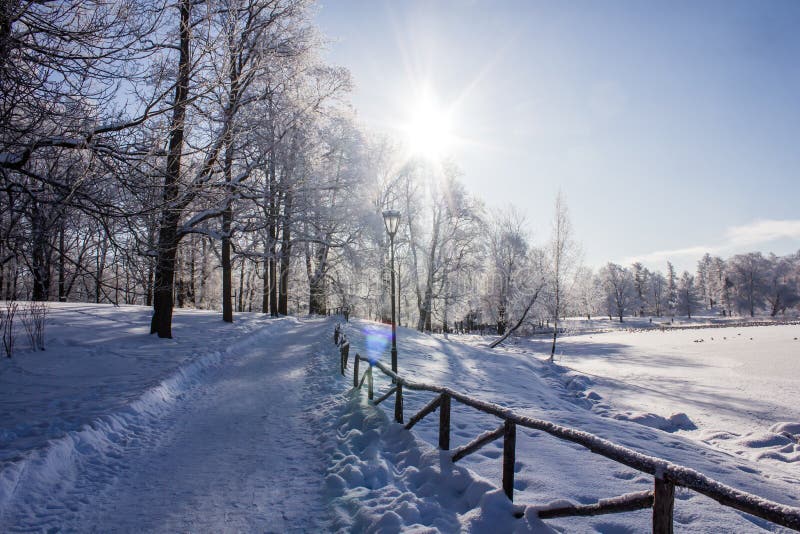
[(428, 131)]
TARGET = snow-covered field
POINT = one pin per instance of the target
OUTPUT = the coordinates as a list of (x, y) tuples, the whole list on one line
[(250, 427), (738, 386), (550, 470)]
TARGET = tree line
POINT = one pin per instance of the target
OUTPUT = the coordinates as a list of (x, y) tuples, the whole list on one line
[(744, 284)]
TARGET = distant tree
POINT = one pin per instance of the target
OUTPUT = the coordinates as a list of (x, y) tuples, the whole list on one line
[(688, 300), (640, 278), (715, 282), (619, 291), (562, 256), (703, 280), (657, 288), (748, 274), (782, 291), (587, 293), (455, 221), (508, 249), (526, 293), (672, 289)]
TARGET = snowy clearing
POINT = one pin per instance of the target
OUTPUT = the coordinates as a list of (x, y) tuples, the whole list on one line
[(549, 470), (737, 387)]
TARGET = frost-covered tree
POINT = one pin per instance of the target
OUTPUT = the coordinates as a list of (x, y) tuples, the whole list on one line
[(657, 286), (450, 246), (641, 275), (748, 274), (782, 291), (508, 255), (619, 291), (562, 254), (587, 293), (703, 280), (688, 299), (672, 289)]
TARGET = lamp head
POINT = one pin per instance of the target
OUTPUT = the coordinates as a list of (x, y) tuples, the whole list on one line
[(391, 218)]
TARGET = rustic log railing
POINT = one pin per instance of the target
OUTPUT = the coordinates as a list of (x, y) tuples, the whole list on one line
[(667, 475)]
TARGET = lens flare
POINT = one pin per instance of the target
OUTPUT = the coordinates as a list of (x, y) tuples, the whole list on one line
[(377, 340)]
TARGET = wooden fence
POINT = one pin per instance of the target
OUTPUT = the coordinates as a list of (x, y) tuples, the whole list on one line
[(666, 475)]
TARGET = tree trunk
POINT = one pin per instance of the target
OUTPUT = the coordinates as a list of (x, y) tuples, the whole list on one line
[(163, 284), (62, 267), (427, 303), (227, 219), (191, 291), (161, 322), (240, 306), (40, 266), (286, 251), (265, 289), (555, 321)]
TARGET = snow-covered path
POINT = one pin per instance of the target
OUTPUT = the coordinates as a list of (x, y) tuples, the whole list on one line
[(240, 452)]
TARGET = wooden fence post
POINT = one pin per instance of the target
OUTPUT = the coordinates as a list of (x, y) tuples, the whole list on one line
[(345, 355), (355, 372), (509, 458), (398, 404), (444, 422), (369, 383), (663, 505)]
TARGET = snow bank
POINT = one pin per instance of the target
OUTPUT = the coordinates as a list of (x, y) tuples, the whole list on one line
[(383, 479), (673, 423), (56, 463)]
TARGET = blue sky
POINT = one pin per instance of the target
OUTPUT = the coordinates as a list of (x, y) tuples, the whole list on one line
[(670, 127)]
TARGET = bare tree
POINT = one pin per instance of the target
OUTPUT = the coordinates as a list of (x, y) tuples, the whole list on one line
[(562, 256), (783, 290), (619, 291), (748, 273)]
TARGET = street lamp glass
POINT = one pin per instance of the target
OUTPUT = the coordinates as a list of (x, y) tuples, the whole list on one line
[(391, 218)]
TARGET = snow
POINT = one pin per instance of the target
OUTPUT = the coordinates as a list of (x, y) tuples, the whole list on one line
[(250, 427), (728, 386), (226, 428), (548, 469), (208, 448)]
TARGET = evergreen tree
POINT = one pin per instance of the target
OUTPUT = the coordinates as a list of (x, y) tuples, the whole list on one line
[(672, 289)]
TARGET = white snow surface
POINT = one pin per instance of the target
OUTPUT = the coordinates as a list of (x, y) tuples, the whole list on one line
[(226, 428), (549, 469), (733, 388), (250, 428)]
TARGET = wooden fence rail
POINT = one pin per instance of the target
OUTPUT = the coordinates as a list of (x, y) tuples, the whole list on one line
[(667, 475)]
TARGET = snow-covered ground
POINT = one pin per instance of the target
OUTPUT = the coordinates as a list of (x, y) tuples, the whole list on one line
[(99, 359), (548, 469), (226, 428), (250, 427), (737, 386)]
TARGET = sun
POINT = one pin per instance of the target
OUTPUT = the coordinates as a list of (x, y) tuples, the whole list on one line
[(428, 132)]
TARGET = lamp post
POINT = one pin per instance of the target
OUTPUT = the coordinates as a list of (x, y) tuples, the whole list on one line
[(391, 218)]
